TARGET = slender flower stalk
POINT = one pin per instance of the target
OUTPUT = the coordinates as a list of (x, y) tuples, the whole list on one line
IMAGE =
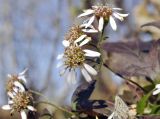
[(103, 14)]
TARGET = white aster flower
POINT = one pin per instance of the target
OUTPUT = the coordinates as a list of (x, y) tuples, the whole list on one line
[(157, 89), (103, 14), (20, 102), (77, 35), (16, 82), (74, 58)]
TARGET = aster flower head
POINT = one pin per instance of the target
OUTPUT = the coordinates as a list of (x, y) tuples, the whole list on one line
[(157, 89), (77, 34), (21, 102), (103, 14), (16, 82), (74, 58)]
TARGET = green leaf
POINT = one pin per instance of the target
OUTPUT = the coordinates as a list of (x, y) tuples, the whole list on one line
[(142, 104)]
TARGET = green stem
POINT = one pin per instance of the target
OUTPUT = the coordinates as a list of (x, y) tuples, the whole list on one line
[(49, 103)]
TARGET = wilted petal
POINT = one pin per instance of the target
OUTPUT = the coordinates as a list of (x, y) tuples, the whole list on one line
[(65, 43), (111, 116), (86, 75), (156, 92), (91, 53), (90, 69), (10, 102), (19, 85), (23, 114), (85, 41), (9, 76), (112, 23), (80, 38), (6, 107), (86, 12), (31, 108), (101, 24), (90, 21)]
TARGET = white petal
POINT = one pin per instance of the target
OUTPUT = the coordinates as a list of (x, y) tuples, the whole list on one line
[(6, 107), (112, 23), (90, 69), (86, 12), (158, 86), (15, 89), (90, 21), (118, 17), (156, 92), (86, 75), (23, 72), (111, 116), (23, 78), (85, 41), (117, 8), (122, 15), (31, 108), (62, 72), (80, 38), (9, 76), (65, 43), (91, 53), (10, 94), (59, 64), (10, 102), (19, 85), (90, 30), (60, 56), (71, 77), (101, 24), (23, 114)]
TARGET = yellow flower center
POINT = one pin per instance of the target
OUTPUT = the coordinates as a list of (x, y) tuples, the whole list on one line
[(21, 101), (103, 11), (74, 33), (74, 56)]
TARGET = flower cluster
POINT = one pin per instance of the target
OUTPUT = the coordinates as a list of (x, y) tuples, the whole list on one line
[(19, 99), (103, 14), (74, 56)]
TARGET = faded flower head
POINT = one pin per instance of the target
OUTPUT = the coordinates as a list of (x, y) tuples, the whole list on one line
[(74, 58), (21, 102), (16, 82), (77, 34), (103, 14)]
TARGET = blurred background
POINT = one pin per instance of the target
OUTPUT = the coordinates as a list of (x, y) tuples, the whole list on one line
[(31, 32)]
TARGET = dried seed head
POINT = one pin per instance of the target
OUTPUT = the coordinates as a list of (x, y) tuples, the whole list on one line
[(74, 56), (21, 101), (10, 83), (74, 33), (103, 11)]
